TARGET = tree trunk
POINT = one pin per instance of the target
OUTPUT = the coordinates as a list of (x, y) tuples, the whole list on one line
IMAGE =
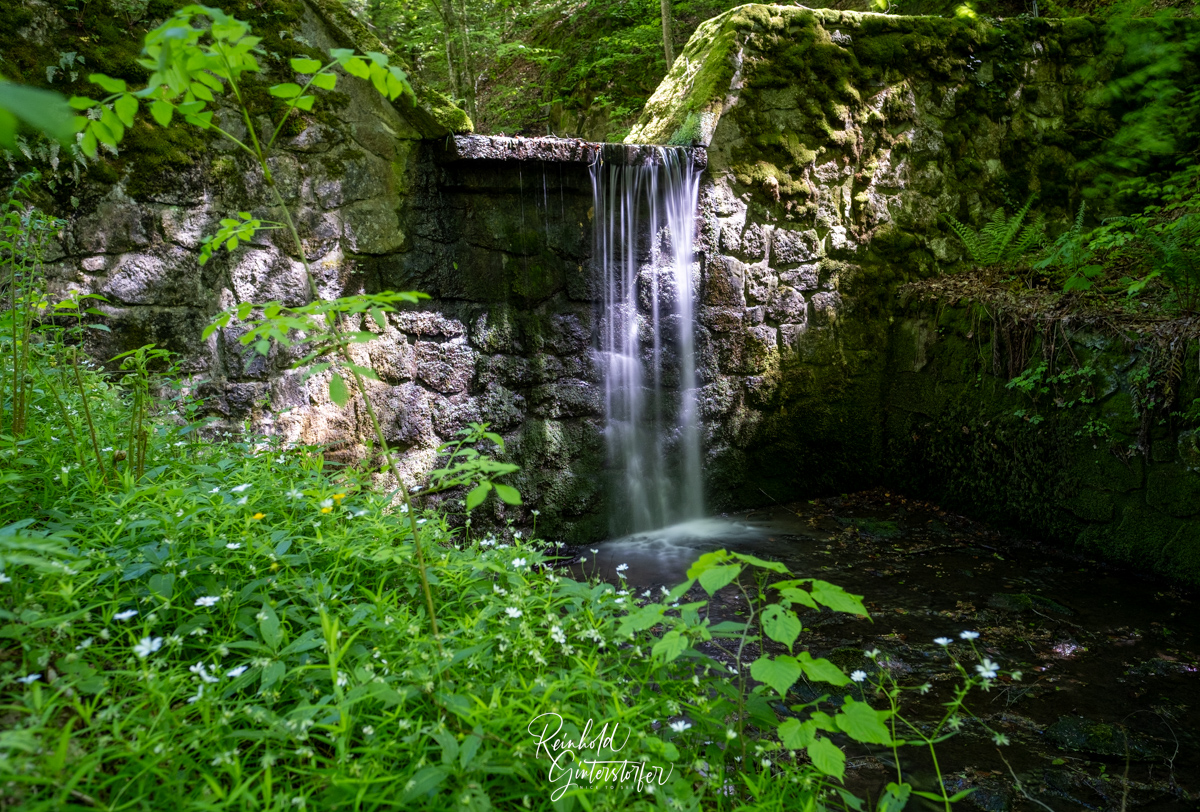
[(666, 22), (445, 12), (468, 69)]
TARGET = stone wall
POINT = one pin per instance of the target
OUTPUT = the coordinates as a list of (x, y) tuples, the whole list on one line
[(837, 142)]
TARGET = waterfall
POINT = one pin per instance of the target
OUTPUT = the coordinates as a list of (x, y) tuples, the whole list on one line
[(645, 219)]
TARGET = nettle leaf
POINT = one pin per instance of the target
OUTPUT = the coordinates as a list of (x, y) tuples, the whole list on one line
[(304, 103), (305, 65), (863, 723), (781, 625), (822, 670), (642, 619), (338, 392), (508, 494), (780, 673), (325, 81), (797, 735), (895, 798), (827, 758), (718, 577), (755, 561), (478, 494), (670, 646), (838, 599)]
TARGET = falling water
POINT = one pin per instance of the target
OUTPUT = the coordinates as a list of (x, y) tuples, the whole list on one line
[(645, 215)]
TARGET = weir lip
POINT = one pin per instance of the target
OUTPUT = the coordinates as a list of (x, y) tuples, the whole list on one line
[(556, 150)]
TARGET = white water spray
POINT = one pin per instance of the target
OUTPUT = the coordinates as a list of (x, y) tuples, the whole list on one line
[(645, 220)]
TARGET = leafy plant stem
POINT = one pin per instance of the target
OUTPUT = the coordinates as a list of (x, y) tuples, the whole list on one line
[(343, 351)]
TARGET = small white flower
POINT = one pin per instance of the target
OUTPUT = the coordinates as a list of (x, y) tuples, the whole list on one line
[(557, 635), (368, 730), (215, 490), (518, 563), (295, 493), (233, 545), (969, 635), (513, 612), (594, 551), (201, 671), (207, 600), (730, 734), (128, 613), (873, 653), (240, 488), (1000, 739), (859, 675), (147, 646), (234, 673), (988, 669), (4, 579), (681, 725), (243, 500), (29, 679), (943, 641), (536, 512), (85, 644)]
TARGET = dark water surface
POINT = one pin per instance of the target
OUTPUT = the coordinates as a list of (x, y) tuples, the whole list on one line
[(1107, 715)]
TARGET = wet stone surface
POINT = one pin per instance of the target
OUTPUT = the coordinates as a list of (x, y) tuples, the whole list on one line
[(1107, 714)]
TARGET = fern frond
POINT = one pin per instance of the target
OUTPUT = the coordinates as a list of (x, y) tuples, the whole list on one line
[(969, 238)]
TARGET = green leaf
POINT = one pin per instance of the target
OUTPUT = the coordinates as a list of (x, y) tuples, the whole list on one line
[(107, 82), (895, 798), (838, 599), (162, 112), (755, 561), (508, 494), (827, 758), (781, 625), (287, 90), (305, 65), (670, 646), (478, 494), (641, 619), (797, 595), (822, 670), (126, 108), (863, 723), (466, 753), (268, 625), (338, 392), (424, 782), (262, 347), (325, 81), (81, 103), (88, 144), (780, 673), (717, 577), (357, 66), (162, 584), (304, 102), (797, 735), (43, 110)]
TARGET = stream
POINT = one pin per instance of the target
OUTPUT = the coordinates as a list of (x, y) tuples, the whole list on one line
[(1107, 716)]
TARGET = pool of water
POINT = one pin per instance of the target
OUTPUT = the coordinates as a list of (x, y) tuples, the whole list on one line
[(1108, 713)]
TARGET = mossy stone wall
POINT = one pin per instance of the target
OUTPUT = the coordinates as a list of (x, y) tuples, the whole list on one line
[(1091, 462), (837, 142)]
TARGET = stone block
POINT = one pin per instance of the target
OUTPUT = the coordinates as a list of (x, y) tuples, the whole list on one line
[(724, 282), (446, 368)]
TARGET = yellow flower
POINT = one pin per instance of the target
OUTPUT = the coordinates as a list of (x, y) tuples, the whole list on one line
[(326, 509), (338, 497), (258, 516)]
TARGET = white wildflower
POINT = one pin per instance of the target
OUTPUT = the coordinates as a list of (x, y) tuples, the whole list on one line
[(147, 646), (128, 613), (207, 600)]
